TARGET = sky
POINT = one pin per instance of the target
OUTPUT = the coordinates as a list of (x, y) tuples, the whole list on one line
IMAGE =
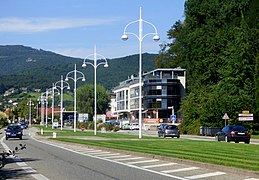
[(74, 27)]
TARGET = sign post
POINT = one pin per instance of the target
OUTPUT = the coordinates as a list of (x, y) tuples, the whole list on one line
[(225, 117)]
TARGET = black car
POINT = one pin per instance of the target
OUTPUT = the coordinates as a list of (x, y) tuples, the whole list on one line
[(14, 131), (168, 130), (233, 133)]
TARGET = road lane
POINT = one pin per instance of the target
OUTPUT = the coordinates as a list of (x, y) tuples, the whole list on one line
[(60, 164)]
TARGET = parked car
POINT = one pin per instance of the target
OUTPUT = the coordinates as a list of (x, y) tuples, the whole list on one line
[(233, 133), (126, 126), (134, 126), (14, 131), (168, 131)]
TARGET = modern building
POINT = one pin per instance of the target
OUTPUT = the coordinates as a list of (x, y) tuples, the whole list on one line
[(162, 89)]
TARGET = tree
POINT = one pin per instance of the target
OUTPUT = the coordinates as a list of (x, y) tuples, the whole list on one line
[(217, 44), (85, 99)]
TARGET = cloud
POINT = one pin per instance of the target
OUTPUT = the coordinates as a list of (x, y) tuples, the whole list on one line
[(48, 24)]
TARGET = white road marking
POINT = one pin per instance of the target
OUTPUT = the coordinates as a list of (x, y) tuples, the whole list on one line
[(39, 177), (139, 162), (158, 165), (205, 175), (114, 157), (21, 164), (98, 153), (180, 170), (108, 155), (88, 152), (126, 159), (29, 169)]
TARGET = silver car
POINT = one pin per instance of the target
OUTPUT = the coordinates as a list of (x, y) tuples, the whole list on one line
[(168, 131)]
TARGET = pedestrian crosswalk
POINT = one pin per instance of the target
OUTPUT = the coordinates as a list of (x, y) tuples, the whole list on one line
[(175, 170)]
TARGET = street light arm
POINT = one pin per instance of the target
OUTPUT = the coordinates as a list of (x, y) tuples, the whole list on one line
[(82, 77)]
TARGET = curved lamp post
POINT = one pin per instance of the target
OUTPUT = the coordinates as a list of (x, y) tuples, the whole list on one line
[(95, 65), (140, 37), (75, 79), (61, 87)]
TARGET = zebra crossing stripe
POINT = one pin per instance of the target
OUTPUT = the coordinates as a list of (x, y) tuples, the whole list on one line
[(180, 170), (138, 162), (158, 165), (205, 175)]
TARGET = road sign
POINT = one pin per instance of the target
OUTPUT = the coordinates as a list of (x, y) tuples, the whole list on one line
[(225, 116), (245, 117), (173, 117)]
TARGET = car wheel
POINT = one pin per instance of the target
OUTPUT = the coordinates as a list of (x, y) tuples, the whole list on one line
[(6, 138), (159, 135), (236, 141), (247, 141), (178, 136), (21, 138), (227, 139)]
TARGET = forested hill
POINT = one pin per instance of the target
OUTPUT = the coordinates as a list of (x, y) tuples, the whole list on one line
[(22, 66)]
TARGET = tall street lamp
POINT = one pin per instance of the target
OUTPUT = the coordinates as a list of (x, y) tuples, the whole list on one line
[(75, 79), (41, 100), (53, 104), (95, 65), (140, 37), (45, 97), (61, 87), (30, 103)]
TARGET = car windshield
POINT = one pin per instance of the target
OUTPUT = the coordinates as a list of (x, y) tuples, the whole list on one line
[(13, 127), (171, 127), (237, 128)]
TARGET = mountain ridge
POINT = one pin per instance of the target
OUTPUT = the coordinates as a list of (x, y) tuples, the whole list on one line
[(24, 66)]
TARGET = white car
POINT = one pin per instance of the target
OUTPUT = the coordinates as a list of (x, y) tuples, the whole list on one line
[(134, 126)]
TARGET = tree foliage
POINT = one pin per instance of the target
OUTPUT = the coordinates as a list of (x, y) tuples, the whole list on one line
[(217, 44), (85, 99)]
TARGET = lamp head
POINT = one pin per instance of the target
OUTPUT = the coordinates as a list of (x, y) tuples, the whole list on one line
[(83, 65), (83, 79), (66, 79), (68, 87), (124, 37), (106, 65), (156, 38)]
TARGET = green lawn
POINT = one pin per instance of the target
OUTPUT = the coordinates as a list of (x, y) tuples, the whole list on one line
[(59, 133)]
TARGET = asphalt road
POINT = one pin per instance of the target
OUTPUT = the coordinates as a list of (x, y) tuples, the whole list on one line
[(44, 159)]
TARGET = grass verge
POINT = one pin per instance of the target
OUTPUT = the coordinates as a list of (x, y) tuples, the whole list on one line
[(228, 154)]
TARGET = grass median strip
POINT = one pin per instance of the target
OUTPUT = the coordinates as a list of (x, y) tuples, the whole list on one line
[(228, 154)]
